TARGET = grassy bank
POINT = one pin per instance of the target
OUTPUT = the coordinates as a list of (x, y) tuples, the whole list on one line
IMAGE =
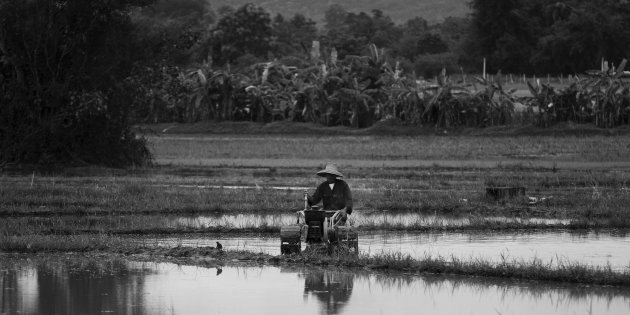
[(176, 148), (568, 272)]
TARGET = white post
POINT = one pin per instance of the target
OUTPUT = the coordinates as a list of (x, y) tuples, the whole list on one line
[(484, 68)]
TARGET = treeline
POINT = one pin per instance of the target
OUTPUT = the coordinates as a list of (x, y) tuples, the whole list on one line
[(229, 84), (74, 74), (188, 32), (515, 36), (541, 36)]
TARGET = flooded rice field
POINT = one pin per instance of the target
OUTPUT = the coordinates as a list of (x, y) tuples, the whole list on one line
[(599, 248), (592, 248), (74, 285)]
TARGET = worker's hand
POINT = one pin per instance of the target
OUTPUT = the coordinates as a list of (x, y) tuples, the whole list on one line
[(340, 215)]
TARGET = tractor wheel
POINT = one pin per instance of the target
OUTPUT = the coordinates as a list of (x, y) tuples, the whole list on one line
[(290, 239)]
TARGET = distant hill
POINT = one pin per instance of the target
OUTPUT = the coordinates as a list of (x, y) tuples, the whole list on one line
[(434, 11)]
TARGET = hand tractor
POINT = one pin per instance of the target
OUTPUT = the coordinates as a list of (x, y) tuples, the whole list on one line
[(320, 230)]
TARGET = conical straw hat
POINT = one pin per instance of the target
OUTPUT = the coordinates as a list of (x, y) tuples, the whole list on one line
[(330, 169)]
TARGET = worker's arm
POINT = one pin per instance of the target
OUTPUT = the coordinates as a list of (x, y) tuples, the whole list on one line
[(348, 196), (316, 197)]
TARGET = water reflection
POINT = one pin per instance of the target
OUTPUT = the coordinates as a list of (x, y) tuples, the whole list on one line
[(75, 285), (332, 289), (72, 287)]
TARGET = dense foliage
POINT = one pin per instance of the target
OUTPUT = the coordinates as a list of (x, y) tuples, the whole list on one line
[(568, 36), (354, 91), (74, 74), (61, 94), (364, 68), (602, 98)]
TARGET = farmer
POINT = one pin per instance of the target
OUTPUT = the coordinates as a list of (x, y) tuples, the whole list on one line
[(334, 193)]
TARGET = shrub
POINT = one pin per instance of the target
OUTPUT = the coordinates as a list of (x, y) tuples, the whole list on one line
[(430, 66)]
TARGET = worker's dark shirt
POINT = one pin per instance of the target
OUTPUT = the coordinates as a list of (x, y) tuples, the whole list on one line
[(334, 199)]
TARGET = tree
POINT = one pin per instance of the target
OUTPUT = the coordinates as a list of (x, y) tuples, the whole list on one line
[(498, 27), (173, 31), (335, 17), (491, 20), (292, 36), (431, 44), (385, 32), (62, 97), (415, 27), (581, 33), (360, 29), (453, 31), (246, 31)]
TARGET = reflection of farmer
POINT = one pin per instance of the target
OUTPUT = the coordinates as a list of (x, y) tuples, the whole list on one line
[(334, 193), (332, 289)]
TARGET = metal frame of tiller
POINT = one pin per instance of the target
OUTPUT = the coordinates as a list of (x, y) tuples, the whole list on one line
[(319, 230)]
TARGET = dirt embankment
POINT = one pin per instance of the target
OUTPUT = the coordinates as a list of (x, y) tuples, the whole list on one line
[(392, 264), (382, 128)]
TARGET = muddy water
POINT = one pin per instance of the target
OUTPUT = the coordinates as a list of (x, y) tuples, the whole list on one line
[(71, 285), (593, 248)]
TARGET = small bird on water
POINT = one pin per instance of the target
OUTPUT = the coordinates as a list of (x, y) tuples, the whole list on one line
[(219, 246)]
